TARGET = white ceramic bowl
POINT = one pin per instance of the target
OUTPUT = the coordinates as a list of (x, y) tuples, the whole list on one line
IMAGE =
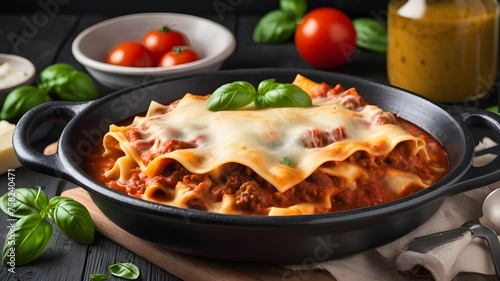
[(213, 42), (26, 76)]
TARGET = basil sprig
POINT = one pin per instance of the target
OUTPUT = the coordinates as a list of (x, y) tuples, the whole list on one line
[(28, 237), (269, 93), (59, 81), (278, 25)]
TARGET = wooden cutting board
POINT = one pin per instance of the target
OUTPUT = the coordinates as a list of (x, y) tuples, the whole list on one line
[(184, 266)]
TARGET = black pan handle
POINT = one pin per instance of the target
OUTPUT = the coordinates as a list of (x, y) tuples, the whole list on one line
[(49, 112), (487, 124)]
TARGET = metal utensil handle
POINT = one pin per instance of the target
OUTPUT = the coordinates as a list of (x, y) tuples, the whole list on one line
[(422, 244), (495, 253), (44, 113), (490, 235)]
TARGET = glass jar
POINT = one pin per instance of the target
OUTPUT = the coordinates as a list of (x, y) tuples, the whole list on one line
[(445, 50)]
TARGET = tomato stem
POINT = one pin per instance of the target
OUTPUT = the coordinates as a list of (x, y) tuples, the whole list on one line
[(165, 28), (178, 49)]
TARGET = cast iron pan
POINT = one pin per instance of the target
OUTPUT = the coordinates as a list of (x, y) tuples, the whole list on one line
[(293, 239)]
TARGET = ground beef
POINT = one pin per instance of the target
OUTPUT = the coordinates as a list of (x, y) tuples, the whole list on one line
[(230, 185), (401, 159), (253, 197), (135, 185), (314, 188), (250, 197)]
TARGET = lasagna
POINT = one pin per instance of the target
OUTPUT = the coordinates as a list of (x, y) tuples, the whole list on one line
[(341, 153)]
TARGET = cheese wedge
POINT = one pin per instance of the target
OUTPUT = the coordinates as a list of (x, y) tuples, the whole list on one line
[(7, 156)]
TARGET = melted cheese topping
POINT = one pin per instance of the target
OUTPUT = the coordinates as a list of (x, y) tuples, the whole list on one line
[(258, 139), (341, 153)]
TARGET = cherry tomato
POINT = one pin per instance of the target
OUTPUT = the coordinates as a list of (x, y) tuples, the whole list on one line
[(178, 55), (161, 41), (325, 38), (130, 53)]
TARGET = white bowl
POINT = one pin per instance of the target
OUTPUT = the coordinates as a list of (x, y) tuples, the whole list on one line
[(16, 64), (212, 41)]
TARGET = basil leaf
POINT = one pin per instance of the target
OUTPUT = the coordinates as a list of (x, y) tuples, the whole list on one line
[(295, 8), (54, 201), (260, 102), (66, 83), (266, 85), (98, 277), (74, 86), (73, 219), (287, 95), (26, 240), (493, 109), (52, 71), (21, 99), (231, 96), (23, 201), (125, 270), (371, 34), (274, 27)]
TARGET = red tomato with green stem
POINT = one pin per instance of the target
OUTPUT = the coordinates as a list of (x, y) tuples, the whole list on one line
[(178, 55), (161, 41), (130, 53), (325, 38)]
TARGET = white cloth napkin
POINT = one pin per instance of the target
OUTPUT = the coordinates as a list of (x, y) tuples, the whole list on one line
[(443, 263)]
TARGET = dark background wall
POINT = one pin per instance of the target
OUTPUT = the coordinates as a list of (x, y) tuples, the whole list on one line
[(354, 8)]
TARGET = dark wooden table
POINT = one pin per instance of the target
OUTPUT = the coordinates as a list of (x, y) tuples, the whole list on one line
[(45, 39)]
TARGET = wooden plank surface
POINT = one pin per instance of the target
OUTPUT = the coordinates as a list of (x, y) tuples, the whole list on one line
[(102, 253), (184, 266)]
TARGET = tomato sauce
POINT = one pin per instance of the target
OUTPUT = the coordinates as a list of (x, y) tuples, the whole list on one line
[(254, 195)]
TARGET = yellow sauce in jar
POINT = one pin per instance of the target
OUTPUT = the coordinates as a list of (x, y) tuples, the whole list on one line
[(445, 50)]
